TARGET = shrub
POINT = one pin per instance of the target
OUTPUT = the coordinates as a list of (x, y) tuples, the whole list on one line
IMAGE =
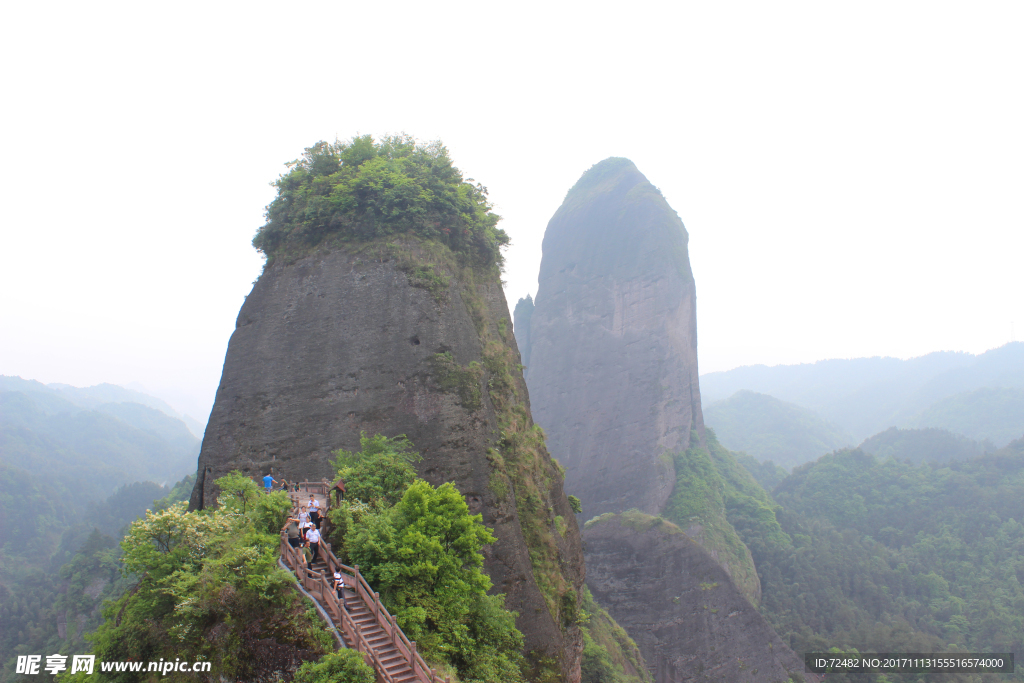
[(345, 666)]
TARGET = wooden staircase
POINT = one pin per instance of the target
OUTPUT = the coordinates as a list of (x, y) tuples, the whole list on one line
[(364, 623)]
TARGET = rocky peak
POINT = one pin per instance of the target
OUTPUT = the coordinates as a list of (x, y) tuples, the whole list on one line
[(396, 337), (613, 341)]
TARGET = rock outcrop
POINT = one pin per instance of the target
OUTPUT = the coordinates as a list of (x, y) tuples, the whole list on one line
[(521, 318), (397, 338), (679, 605), (613, 341)]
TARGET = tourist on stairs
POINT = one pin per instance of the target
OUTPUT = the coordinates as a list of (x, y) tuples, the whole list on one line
[(339, 588), (294, 533), (313, 542)]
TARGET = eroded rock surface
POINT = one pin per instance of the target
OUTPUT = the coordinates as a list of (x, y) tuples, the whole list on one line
[(339, 343), (613, 341), (678, 604)]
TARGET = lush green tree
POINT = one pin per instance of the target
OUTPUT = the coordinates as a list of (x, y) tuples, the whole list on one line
[(380, 472), (238, 491), (423, 555), (363, 189), (346, 666), (575, 505), (207, 588)]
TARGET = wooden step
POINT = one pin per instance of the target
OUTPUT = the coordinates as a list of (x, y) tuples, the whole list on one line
[(388, 658), (397, 671), (389, 661)]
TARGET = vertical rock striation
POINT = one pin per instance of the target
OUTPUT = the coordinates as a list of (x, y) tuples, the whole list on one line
[(613, 341), (398, 338)]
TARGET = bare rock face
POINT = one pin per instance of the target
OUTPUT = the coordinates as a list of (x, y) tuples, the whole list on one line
[(399, 339), (521, 317), (680, 606), (613, 341)]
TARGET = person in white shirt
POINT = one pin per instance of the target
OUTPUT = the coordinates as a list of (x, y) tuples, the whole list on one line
[(339, 587), (313, 541)]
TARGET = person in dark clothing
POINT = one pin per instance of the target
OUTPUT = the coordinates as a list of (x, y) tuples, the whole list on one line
[(315, 513), (294, 534)]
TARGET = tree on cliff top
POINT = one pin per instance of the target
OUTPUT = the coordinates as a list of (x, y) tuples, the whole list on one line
[(363, 189)]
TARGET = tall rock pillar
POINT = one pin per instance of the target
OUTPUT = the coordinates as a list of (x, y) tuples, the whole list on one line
[(613, 341), (612, 348), (357, 339)]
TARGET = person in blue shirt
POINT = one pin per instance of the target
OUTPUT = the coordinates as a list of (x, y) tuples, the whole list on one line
[(268, 482)]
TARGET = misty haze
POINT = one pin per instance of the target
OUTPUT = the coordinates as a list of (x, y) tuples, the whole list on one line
[(433, 344)]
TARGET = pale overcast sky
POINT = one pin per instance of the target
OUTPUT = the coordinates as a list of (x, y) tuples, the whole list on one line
[(850, 173)]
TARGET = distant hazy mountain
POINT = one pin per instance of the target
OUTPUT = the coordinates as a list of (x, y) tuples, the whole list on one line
[(94, 396), (864, 396), (93, 448), (920, 445), (770, 429), (990, 413)]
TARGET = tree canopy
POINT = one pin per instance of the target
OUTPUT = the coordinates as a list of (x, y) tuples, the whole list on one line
[(364, 189), (421, 547), (208, 588)]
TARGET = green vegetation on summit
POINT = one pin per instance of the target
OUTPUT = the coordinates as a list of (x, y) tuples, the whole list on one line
[(364, 189)]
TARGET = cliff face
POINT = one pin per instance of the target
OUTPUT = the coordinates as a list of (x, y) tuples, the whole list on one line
[(521, 317), (398, 339), (613, 341), (680, 606)]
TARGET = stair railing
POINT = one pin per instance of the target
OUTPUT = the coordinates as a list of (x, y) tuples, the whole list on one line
[(319, 584)]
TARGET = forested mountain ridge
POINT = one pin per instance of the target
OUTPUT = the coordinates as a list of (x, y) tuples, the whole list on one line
[(991, 413), (93, 451), (52, 588), (76, 465), (884, 555), (864, 396), (770, 429), (93, 397), (920, 445)]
